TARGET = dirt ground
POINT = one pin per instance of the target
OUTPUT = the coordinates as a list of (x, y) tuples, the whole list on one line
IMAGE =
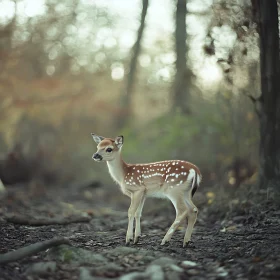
[(244, 244)]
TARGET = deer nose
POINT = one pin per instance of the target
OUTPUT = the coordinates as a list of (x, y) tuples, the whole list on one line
[(97, 156)]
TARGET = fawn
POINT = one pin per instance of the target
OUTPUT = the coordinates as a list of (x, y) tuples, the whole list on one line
[(176, 180)]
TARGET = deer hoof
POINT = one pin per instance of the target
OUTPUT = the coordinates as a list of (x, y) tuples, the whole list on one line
[(136, 239), (164, 242)]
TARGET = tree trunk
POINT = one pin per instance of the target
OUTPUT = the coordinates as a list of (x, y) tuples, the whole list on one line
[(126, 98), (180, 86), (269, 112)]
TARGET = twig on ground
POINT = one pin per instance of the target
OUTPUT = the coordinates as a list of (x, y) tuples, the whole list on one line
[(31, 249), (21, 220)]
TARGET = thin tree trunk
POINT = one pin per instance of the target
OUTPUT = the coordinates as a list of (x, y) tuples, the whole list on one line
[(6, 34), (269, 113), (180, 86), (126, 98)]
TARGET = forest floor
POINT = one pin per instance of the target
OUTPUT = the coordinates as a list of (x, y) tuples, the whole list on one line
[(242, 244)]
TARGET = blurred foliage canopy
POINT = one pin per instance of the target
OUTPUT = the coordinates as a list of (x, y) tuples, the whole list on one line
[(64, 64)]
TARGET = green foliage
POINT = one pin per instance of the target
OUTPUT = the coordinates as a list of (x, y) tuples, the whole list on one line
[(206, 138)]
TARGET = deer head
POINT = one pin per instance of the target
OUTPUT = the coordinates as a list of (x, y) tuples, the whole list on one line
[(107, 148)]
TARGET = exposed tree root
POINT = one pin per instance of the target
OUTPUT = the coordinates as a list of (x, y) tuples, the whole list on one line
[(31, 249), (21, 220)]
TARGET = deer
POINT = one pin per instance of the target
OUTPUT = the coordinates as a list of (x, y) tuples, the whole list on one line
[(176, 180)]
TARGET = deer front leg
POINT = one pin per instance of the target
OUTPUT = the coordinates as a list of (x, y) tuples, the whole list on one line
[(137, 220), (136, 199)]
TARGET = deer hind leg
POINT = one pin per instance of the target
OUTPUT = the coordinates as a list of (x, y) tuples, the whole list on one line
[(136, 199), (192, 216), (181, 214)]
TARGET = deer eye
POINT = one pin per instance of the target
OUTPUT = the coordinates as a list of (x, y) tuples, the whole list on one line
[(109, 150)]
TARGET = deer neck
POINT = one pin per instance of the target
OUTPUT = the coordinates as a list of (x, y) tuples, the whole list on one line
[(117, 168)]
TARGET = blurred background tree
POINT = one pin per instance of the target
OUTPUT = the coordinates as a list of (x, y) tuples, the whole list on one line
[(182, 77), (69, 68), (126, 97), (268, 103)]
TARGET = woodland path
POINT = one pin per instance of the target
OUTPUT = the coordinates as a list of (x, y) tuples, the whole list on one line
[(243, 246)]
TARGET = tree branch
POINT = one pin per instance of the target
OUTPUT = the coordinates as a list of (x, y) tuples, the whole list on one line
[(31, 249)]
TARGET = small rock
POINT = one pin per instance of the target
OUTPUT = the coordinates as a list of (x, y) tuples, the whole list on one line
[(238, 219), (172, 275), (164, 261), (155, 272), (85, 274), (176, 268), (188, 264), (41, 268), (138, 257), (134, 276), (193, 271), (222, 272)]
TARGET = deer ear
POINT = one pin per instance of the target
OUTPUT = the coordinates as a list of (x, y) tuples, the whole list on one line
[(119, 141), (97, 138)]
